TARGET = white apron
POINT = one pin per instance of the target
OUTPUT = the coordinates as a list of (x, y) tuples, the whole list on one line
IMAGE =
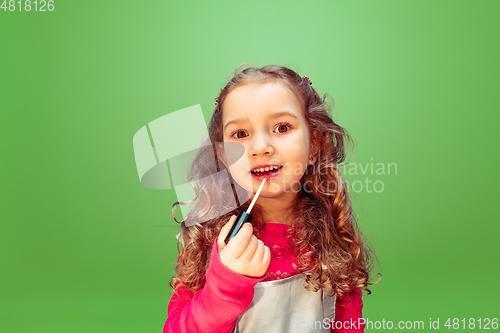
[(284, 306)]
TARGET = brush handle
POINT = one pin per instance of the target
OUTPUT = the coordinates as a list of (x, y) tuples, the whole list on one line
[(242, 218)]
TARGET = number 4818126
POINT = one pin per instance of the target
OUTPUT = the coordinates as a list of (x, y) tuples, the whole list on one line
[(37, 5)]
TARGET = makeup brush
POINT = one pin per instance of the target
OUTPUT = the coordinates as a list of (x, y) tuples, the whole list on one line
[(243, 216)]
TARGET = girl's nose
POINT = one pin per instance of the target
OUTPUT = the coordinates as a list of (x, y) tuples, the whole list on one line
[(261, 145)]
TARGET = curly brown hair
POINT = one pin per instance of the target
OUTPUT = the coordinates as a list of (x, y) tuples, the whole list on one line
[(325, 231)]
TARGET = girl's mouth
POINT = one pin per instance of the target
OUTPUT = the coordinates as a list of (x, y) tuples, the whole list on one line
[(260, 174)]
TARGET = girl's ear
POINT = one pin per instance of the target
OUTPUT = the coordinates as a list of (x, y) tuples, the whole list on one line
[(313, 157)]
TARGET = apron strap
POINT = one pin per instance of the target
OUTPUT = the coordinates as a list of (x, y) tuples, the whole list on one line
[(329, 305)]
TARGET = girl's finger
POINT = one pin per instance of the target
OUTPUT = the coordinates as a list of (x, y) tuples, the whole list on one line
[(250, 249), (258, 253), (267, 256), (239, 243), (224, 231)]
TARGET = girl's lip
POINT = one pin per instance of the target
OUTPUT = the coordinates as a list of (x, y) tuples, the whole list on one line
[(268, 176)]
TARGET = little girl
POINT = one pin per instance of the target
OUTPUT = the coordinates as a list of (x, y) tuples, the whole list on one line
[(300, 265)]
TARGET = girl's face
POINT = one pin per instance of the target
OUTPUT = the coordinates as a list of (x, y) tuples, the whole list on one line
[(268, 120)]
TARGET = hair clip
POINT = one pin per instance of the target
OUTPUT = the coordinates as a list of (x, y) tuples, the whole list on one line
[(310, 83), (217, 101)]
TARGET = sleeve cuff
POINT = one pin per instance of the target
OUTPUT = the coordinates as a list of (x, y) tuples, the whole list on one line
[(225, 278)]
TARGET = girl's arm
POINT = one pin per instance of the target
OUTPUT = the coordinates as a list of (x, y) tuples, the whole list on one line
[(216, 307), (348, 312)]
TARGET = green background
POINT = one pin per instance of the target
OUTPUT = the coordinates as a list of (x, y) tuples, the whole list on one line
[(85, 248)]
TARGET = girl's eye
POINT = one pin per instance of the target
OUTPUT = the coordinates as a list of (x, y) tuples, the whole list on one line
[(238, 134), (282, 128)]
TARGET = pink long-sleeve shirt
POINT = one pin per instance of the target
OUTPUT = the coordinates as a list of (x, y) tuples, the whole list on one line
[(227, 294)]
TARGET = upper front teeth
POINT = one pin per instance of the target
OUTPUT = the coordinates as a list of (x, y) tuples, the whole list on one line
[(266, 169)]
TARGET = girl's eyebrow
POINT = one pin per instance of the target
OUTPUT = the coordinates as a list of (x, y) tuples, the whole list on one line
[(281, 114), (236, 121), (271, 116)]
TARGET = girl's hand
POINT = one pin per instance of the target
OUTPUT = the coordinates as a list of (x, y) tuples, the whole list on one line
[(244, 253)]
